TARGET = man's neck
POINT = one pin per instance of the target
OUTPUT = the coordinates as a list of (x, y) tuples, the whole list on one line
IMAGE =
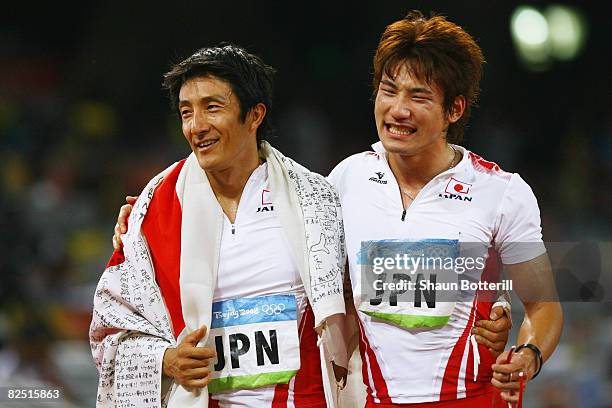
[(418, 169), (229, 183)]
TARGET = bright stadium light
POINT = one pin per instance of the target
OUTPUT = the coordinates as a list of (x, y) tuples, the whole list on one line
[(529, 26), (531, 38), (567, 30), (558, 33)]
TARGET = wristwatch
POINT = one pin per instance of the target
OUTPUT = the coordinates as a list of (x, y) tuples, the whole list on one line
[(538, 354)]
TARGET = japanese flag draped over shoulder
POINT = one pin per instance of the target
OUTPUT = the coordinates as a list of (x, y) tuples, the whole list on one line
[(132, 324)]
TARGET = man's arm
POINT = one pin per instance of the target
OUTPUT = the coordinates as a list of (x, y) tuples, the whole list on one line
[(541, 327), (352, 327)]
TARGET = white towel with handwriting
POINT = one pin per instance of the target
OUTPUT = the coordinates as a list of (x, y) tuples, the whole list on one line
[(131, 327)]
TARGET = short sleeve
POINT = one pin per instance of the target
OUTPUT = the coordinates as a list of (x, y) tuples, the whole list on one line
[(337, 175), (519, 233)]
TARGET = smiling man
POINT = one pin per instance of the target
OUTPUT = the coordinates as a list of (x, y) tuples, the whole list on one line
[(205, 275)]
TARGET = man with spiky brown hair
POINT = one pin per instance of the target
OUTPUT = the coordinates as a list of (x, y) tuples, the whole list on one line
[(420, 190)]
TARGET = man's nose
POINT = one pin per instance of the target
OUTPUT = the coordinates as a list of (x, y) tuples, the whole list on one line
[(400, 108), (200, 123)]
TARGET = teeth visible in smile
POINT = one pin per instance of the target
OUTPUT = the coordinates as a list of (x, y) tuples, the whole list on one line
[(400, 130), (206, 143)]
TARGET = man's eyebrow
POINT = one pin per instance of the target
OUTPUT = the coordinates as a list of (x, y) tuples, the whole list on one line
[(420, 89), (414, 89), (206, 99), (388, 83)]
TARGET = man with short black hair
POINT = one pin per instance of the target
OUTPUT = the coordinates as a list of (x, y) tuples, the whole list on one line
[(236, 247)]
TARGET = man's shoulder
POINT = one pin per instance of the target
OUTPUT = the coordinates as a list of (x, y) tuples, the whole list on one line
[(172, 172), (358, 161), (484, 168), (162, 189), (353, 168), (509, 184)]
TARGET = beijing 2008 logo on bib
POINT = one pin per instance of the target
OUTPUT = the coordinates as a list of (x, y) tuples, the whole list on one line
[(256, 340)]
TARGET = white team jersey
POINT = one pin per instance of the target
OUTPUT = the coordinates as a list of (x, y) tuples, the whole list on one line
[(248, 270), (255, 260), (474, 201)]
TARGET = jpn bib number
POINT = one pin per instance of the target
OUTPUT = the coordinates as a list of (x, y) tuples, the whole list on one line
[(256, 340)]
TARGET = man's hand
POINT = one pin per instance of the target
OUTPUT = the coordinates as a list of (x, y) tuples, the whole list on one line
[(493, 333), (341, 374), (506, 375), (121, 226), (188, 364)]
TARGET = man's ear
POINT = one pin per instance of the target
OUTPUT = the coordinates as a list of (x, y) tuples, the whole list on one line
[(256, 115), (457, 109)]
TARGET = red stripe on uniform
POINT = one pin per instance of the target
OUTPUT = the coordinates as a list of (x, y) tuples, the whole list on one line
[(308, 384), (162, 229), (491, 273), (480, 310), (212, 403), (379, 381), (450, 381), (474, 388), (308, 387), (281, 393), (480, 163), (364, 367)]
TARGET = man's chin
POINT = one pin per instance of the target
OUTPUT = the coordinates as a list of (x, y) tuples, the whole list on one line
[(397, 147), (206, 164)]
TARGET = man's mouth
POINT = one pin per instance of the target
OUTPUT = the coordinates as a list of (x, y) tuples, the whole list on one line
[(400, 130), (206, 143)]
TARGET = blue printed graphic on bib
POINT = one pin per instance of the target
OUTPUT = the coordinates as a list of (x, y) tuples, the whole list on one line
[(423, 248), (256, 341), (234, 312), (401, 281)]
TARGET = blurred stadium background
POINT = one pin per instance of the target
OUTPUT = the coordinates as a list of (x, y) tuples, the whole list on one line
[(83, 122)]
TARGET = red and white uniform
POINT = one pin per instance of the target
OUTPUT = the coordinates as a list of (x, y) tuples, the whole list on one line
[(247, 270), (474, 201)]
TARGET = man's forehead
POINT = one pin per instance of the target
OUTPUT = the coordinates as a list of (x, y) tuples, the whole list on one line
[(206, 85), (405, 70), (408, 73)]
